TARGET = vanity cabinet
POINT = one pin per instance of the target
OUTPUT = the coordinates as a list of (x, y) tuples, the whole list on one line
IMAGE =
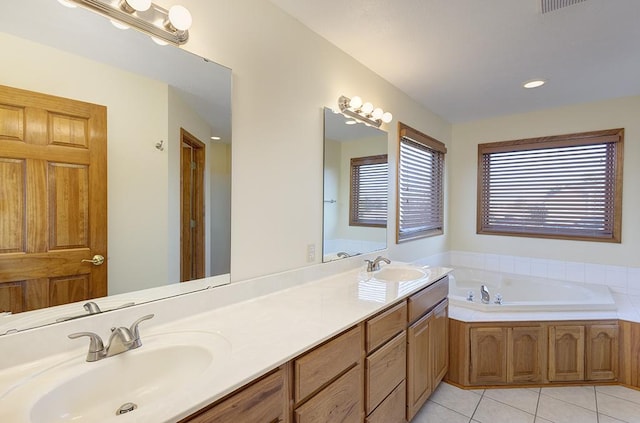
[(427, 343), (263, 401), (328, 380), (386, 366)]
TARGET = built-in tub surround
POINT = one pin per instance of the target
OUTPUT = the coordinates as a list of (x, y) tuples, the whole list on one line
[(264, 324), (513, 293)]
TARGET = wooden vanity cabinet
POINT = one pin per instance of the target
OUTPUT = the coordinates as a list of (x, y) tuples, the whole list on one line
[(386, 365), (427, 343), (263, 401), (329, 380)]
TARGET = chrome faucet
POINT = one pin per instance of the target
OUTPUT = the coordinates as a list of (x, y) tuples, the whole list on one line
[(484, 292), (122, 339), (374, 265), (92, 308)]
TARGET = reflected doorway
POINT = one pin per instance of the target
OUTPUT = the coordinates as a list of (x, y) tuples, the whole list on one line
[(192, 232)]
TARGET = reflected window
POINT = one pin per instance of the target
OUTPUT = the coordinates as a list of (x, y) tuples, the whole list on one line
[(368, 191), (420, 185)]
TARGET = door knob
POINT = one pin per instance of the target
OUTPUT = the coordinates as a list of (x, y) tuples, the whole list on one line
[(97, 260)]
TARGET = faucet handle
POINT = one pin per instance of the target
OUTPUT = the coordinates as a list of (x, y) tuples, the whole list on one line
[(96, 347), (134, 328), (369, 265)]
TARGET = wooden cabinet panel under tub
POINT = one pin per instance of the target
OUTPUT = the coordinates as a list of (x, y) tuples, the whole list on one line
[(526, 353)]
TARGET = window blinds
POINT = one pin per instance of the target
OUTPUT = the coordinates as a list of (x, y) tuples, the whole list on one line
[(369, 180)]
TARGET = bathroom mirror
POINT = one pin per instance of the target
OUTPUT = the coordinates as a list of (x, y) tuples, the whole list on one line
[(151, 93), (355, 188)]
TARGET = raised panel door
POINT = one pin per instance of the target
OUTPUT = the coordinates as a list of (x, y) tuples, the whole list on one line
[(488, 356), (566, 353)]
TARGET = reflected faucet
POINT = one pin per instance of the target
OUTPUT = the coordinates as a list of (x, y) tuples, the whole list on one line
[(342, 254), (122, 339), (92, 308), (484, 292), (374, 265)]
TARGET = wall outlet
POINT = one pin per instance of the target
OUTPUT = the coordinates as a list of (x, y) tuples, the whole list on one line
[(311, 253)]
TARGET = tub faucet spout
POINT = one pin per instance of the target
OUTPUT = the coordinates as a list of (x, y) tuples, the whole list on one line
[(484, 292)]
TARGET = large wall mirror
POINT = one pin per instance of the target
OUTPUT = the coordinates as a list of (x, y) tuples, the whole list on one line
[(355, 187), (165, 108)]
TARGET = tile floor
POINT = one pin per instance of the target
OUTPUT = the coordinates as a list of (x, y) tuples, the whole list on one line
[(584, 404)]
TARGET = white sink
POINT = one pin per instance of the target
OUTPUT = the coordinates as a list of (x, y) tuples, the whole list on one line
[(399, 273), (78, 391)]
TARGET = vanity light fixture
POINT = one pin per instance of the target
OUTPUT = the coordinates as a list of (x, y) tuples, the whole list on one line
[(365, 112), (171, 26)]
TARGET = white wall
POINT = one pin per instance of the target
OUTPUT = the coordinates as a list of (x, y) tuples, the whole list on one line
[(136, 171), (283, 76), (617, 113)]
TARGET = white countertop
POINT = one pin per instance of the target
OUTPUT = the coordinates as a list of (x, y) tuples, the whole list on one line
[(263, 333)]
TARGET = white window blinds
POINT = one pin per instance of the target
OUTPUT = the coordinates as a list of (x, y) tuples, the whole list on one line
[(562, 187), (420, 185), (368, 199)]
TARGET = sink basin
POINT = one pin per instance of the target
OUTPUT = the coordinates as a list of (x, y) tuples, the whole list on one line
[(148, 377), (393, 273)]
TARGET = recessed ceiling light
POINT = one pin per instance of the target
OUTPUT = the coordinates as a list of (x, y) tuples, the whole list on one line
[(534, 83), (215, 138), (351, 122)]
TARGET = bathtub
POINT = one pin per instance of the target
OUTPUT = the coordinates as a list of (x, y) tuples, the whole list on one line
[(525, 293)]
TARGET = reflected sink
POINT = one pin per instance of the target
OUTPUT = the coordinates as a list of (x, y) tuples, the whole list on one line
[(149, 376), (395, 273)]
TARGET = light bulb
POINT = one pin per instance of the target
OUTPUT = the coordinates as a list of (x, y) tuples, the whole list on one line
[(180, 18), (139, 5), (534, 83), (387, 117), (367, 108), (350, 122), (377, 113), (355, 102)]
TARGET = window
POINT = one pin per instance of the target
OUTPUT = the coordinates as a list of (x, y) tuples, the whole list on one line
[(420, 185), (566, 187), (368, 199)]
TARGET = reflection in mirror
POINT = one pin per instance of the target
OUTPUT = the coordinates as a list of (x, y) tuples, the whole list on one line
[(162, 104), (355, 187)]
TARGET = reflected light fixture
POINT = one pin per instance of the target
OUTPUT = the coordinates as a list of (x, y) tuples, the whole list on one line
[(365, 112), (171, 26), (534, 83)]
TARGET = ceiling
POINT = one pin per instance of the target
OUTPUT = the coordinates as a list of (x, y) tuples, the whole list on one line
[(467, 59)]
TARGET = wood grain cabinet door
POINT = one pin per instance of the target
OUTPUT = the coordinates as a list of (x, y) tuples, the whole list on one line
[(602, 352), (419, 379), (439, 343), (526, 354), (488, 356), (53, 200), (566, 353)]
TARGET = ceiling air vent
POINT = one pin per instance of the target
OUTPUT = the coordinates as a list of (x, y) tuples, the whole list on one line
[(553, 5)]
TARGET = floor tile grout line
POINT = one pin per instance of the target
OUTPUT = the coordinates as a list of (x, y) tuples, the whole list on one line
[(451, 409), (477, 405), (568, 402), (535, 415), (619, 397), (513, 406), (595, 394)]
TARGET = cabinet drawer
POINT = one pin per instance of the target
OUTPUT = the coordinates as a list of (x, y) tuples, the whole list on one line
[(323, 364), (423, 301), (264, 401), (339, 402), (392, 409), (385, 369), (386, 325)]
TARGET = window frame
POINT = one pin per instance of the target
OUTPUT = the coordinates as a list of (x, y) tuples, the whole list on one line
[(354, 215), (609, 136), (439, 149)]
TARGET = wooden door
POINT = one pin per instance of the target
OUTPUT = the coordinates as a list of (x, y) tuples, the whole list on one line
[(488, 356), (602, 352), (418, 365), (192, 249), (53, 200), (525, 354), (566, 353), (439, 343)]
